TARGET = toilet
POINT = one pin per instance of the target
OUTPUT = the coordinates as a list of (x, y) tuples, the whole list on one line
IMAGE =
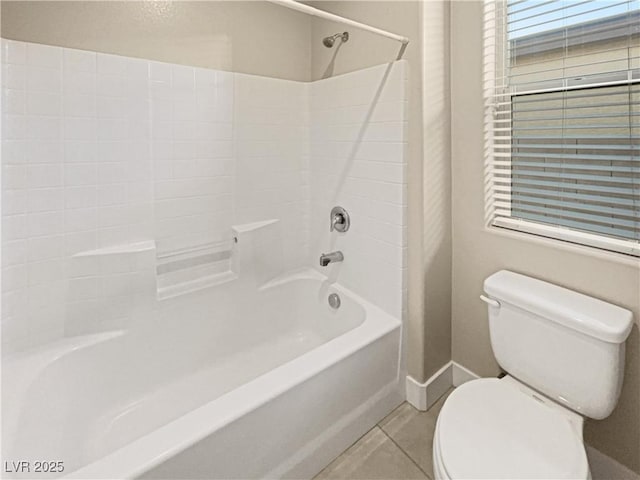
[(564, 357)]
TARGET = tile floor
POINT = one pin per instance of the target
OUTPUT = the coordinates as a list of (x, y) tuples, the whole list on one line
[(399, 447)]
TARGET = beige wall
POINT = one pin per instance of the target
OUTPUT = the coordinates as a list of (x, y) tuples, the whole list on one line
[(436, 184), (429, 254), (478, 252), (241, 36)]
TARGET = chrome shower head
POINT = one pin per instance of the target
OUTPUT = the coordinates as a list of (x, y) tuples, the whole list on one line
[(329, 41)]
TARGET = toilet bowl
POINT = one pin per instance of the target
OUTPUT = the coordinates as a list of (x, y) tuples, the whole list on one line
[(501, 429), (564, 354)]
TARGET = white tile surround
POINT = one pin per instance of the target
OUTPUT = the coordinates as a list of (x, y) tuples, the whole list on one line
[(272, 158), (101, 151), (358, 125)]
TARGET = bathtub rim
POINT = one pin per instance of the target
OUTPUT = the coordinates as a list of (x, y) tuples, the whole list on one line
[(176, 436)]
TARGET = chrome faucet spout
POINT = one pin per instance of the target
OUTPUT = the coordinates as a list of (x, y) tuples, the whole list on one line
[(327, 258)]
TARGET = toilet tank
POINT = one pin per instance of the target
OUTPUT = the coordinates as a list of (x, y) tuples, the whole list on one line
[(566, 345)]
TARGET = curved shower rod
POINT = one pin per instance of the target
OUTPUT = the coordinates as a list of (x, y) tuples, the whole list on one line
[(316, 12)]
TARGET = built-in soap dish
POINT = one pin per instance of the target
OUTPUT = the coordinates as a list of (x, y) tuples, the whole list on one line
[(184, 271)]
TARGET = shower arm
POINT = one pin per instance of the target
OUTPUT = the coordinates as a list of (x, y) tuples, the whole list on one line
[(316, 12)]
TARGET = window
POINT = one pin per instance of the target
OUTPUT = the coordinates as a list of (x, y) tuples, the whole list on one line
[(562, 118)]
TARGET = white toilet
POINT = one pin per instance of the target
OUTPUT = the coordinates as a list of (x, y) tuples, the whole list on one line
[(564, 353)]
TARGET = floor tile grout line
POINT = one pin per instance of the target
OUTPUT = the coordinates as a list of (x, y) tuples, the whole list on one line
[(349, 447), (403, 451)]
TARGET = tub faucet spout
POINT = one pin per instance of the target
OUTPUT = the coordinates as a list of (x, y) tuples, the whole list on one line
[(327, 258)]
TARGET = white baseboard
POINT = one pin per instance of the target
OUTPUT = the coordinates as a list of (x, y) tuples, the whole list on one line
[(604, 467), (423, 395), (416, 393)]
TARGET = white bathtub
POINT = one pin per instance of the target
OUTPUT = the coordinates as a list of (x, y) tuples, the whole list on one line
[(218, 384)]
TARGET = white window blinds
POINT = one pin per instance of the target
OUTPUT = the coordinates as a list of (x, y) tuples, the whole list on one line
[(562, 97)]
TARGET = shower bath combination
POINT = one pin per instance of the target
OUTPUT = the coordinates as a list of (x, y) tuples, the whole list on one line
[(195, 316), (203, 357)]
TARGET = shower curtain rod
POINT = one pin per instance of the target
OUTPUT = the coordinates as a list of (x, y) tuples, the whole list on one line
[(294, 5)]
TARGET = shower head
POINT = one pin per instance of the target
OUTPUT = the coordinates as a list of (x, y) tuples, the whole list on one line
[(329, 41)]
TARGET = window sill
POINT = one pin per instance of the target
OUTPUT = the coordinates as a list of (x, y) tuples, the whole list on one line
[(618, 251)]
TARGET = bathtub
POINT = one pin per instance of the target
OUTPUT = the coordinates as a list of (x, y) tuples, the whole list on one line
[(213, 384)]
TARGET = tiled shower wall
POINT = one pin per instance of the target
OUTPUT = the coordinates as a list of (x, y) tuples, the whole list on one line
[(76, 176), (191, 120), (100, 151), (272, 158), (358, 124)]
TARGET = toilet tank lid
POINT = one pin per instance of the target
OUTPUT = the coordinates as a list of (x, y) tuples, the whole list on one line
[(574, 310)]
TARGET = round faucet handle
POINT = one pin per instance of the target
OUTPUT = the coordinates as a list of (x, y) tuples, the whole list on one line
[(340, 220)]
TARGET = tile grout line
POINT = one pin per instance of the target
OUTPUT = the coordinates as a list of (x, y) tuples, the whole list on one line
[(403, 451), (349, 447)]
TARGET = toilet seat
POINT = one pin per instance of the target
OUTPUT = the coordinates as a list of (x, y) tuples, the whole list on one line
[(501, 429)]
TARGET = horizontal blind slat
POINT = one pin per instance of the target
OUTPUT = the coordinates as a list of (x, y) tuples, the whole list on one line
[(539, 24), (575, 127), (553, 8), (569, 8), (572, 166), (601, 105), (574, 146), (569, 186), (585, 226), (528, 45), (517, 174), (514, 79), (598, 198), (599, 209), (630, 226), (576, 94), (573, 156), (564, 117), (575, 136)]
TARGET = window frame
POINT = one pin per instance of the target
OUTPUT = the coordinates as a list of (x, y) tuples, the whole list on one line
[(561, 233)]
